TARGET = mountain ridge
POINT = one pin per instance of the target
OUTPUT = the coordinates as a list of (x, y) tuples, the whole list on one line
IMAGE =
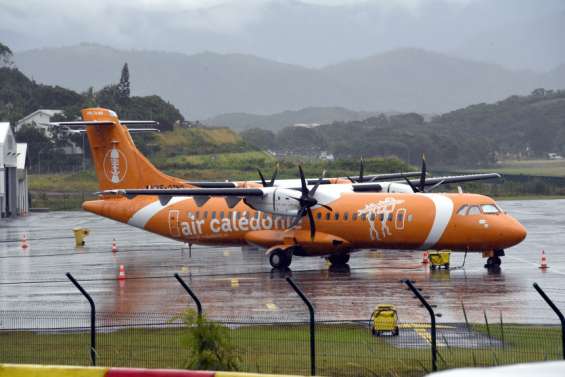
[(207, 84)]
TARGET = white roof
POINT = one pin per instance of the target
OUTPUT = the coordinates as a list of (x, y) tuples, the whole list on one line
[(21, 157), (48, 112)]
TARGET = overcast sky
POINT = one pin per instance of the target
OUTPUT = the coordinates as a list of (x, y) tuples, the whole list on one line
[(307, 32)]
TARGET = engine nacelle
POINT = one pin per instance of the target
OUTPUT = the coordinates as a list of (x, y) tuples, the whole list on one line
[(396, 187), (278, 201)]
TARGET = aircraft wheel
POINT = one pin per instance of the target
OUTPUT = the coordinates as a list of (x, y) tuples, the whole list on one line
[(280, 258), (493, 262), (338, 259)]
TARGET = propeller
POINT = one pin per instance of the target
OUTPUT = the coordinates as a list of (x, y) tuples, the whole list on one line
[(421, 187), (273, 178), (360, 178), (307, 201)]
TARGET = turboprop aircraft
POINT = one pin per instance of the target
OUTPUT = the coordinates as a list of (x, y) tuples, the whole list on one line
[(331, 220)]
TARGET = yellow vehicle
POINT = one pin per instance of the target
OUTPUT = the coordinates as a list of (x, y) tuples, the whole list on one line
[(384, 319), (439, 259)]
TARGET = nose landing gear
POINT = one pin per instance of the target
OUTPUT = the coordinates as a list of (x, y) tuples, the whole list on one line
[(494, 261)]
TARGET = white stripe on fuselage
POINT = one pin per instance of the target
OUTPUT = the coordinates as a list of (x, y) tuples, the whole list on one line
[(444, 210), (141, 217)]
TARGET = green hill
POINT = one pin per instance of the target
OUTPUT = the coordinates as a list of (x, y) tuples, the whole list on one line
[(519, 127)]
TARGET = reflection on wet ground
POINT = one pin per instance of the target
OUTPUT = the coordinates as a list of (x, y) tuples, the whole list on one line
[(234, 282)]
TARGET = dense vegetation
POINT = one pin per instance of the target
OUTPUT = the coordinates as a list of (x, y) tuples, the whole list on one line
[(518, 127), (20, 96)]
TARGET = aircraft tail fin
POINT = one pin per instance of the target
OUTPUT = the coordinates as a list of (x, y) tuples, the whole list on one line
[(118, 162)]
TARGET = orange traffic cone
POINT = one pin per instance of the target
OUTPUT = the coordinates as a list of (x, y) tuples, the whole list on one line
[(122, 273), (425, 257), (114, 246), (23, 242), (543, 264)]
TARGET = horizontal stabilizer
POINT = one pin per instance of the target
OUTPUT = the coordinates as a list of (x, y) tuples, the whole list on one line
[(186, 192)]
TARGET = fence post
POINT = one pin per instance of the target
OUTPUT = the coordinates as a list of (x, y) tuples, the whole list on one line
[(432, 318), (312, 325), (191, 293), (92, 318), (557, 311)]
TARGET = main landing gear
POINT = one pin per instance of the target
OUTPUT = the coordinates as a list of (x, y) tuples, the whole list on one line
[(338, 260), (494, 261), (280, 258)]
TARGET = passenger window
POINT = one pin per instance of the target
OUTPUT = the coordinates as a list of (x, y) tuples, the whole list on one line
[(257, 215), (190, 215), (389, 217), (355, 216), (400, 218), (328, 216), (346, 216), (336, 216), (364, 217), (462, 211), (381, 217), (489, 209), (474, 210), (213, 214), (222, 215), (319, 215)]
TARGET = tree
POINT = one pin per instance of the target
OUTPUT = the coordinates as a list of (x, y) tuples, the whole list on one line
[(5, 55), (208, 344), (123, 86)]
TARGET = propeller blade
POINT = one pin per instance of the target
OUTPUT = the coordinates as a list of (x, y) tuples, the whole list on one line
[(351, 179), (262, 178), (303, 181), (361, 170), (326, 207), (423, 174), (299, 215), (275, 173), (414, 188), (312, 224), (313, 191)]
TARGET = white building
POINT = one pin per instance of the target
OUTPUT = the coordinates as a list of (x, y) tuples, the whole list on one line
[(39, 119), (13, 175)]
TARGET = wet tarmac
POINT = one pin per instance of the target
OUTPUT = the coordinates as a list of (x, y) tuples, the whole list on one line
[(238, 283)]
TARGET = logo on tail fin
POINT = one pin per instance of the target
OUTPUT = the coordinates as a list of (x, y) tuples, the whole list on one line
[(115, 165)]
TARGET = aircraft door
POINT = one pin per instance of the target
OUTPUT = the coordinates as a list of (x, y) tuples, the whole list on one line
[(400, 218), (174, 228)]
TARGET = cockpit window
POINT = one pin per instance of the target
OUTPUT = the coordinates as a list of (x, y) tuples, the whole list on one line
[(489, 209), (474, 210), (462, 211)]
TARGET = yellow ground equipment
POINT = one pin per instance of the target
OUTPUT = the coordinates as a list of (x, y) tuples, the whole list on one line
[(384, 319), (439, 259), (80, 234)]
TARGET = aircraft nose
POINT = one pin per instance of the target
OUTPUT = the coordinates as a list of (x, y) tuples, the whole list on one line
[(517, 232)]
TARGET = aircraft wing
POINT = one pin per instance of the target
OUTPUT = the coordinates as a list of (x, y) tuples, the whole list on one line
[(295, 183), (437, 181)]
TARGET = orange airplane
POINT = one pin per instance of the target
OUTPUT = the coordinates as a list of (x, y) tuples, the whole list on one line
[(326, 220)]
